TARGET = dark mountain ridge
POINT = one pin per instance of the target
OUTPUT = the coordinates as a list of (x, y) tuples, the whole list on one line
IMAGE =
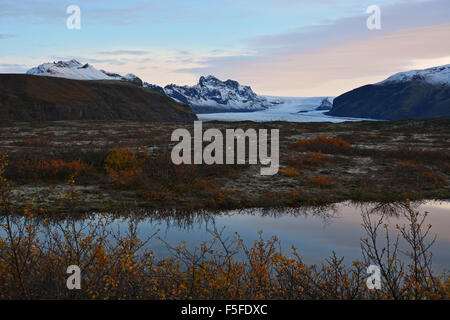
[(414, 99), (25, 97)]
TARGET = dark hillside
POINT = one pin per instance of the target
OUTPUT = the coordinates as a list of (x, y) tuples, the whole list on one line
[(37, 98)]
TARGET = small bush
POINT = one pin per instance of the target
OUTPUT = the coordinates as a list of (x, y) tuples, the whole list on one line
[(405, 164), (42, 169), (437, 179), (313, 159), (322, 181), (122, 167), (321, 144), (290, 172), (416, 175)]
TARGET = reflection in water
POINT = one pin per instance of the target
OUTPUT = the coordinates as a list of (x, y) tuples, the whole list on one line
[(193, 219), (315, 231)]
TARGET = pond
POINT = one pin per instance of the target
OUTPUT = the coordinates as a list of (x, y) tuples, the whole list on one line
[(315, 232)]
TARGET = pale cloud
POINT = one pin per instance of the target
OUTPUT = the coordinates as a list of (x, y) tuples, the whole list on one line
[(124, 52), (6, 36), (418, 64), (401, 15), (336, 69), (12, 68), (340, 55)]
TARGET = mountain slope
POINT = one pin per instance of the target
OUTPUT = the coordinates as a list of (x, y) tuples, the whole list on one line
[(418, 94), (39, 98), (211, 95)]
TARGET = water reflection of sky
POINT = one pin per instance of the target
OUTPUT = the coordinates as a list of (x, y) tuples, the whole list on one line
[(316, 233), (313, 236)]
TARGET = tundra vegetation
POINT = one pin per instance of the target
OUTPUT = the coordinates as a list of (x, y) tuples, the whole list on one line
[(117, 165)]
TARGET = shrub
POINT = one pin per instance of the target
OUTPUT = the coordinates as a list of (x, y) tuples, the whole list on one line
[(417, 175), (313, 159), (46, 169), (437, 179), (122, 167), (289, 172), (322, 181), (405, 164), (321, 144)]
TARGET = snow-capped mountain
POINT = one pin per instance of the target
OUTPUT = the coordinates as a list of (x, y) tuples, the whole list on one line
[(436, 76), (211, 95), (416, 94), (75, 70)]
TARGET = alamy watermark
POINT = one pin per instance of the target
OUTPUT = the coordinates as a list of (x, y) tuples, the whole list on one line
[(213, 153), (73, 22), (374, 20), (74, 280), (373, 282)]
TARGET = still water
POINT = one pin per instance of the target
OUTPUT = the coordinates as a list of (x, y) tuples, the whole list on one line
[(315, 232)]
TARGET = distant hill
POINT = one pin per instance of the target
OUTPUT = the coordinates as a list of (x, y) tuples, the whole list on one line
[(418, 94), (25, 97)]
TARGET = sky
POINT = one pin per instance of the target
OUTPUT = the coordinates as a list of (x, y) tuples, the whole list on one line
[(298, 48)]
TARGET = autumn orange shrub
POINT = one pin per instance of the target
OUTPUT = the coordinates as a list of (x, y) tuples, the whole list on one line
[(289, 172), (31, 142), (226, 195), (49, 169), (159, 195), (37, 142), (296, 163), (321, 144), (322, 181), (412, 173), (123, 167), (75, 166), (406, 164), (313, 159), (437, 179)]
